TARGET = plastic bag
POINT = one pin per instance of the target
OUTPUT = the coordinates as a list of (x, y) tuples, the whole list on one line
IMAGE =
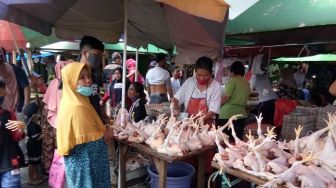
[(57, 172)]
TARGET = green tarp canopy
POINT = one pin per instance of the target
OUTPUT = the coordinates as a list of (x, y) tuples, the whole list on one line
[(296, 21), (67, 45), (37, 39), (319, 57), (120, 46)]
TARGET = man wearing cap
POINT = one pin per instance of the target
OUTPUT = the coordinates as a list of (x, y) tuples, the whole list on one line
[(158, 81), (152, 64)]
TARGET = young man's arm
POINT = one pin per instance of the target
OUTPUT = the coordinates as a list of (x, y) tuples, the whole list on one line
[(332, 88), (148, 87), (169, 88), (26, 95)]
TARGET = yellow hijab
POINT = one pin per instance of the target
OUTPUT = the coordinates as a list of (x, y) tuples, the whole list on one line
[(77, 121)]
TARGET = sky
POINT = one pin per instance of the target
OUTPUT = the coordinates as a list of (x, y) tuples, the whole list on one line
[(239, 6)]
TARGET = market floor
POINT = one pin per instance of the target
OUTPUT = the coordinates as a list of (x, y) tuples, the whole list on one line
[(24, 171), (24, 179)]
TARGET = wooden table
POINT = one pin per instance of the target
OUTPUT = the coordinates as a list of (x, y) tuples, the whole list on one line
[(242, 175), (161, 162)]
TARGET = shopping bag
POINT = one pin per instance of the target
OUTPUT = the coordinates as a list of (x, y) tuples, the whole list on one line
[(57, 172)]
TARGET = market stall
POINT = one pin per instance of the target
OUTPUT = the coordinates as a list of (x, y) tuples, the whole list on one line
[(166, 140), (254, 180), (161, 161), (307, 160)]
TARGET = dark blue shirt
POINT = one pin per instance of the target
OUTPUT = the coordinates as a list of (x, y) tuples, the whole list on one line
[(94, 98), (22, 81)]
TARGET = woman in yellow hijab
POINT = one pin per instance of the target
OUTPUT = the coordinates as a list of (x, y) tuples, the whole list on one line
[(80, 131)]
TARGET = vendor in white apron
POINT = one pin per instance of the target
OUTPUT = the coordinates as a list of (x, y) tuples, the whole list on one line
[(201, 93)]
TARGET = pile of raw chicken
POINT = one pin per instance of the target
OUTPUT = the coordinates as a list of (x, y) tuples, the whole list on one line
[(309, 161), (167, 135)]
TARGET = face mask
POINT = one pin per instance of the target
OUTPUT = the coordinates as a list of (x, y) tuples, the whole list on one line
[(95, 60), (2, 98), (202, 82), (177, 75), (85, 90)]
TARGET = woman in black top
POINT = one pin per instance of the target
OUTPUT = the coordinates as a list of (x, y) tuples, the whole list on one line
[(115, 92), (136, 94)]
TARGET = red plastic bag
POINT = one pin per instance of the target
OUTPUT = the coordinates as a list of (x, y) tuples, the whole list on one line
[(283, 107), (57, 172)]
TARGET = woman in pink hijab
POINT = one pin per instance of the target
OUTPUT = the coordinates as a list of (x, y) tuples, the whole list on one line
[(51, 100), (131, 67)]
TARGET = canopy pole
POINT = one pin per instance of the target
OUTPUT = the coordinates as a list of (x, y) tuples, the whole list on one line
[(136, 64), (29, 57), (278, 45), (121, 176), (123, 106), (26, 68)]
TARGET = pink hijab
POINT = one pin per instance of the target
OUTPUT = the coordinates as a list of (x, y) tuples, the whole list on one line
[(12, 91), (131, 67), (53, 94)]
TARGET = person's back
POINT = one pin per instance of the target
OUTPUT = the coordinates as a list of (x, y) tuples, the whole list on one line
[(239, 91), (8, 74), (236, 93), (158, 82), (22, 82)]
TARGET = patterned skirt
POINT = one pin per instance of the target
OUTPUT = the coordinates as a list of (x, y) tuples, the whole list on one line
[(48, 145), (88, 166)]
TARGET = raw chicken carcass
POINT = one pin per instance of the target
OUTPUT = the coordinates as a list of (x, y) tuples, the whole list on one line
[(311, 181), (193, 143)]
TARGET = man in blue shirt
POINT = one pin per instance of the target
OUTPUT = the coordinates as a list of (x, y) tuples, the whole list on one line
[(24, 87)]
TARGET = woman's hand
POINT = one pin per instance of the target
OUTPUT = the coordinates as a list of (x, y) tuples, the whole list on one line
[(108, 135), (15, 125)]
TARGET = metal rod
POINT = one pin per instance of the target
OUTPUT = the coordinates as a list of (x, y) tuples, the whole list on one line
[(121, 177), (124, 56), (280, 45), (136, 65)]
